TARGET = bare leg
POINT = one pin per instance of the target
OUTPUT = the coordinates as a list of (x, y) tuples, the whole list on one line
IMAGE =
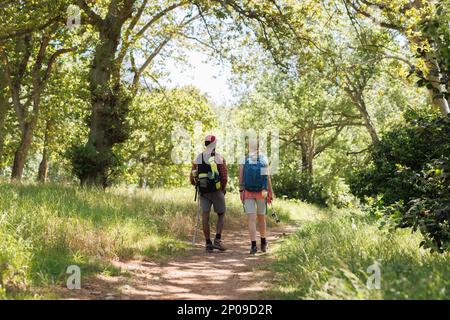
[(252, 226), (206, 227), (220, 222), (262, 225)]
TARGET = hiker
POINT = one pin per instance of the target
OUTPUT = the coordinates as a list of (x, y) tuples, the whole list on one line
[(209, 170), (255, 187)]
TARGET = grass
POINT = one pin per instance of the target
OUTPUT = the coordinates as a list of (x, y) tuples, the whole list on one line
[(328, 258), (46, 228)]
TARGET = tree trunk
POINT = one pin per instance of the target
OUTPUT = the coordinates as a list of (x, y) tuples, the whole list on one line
[(437, 91), (141, 183), (367, 121), (4, 107), (43, 166), (21, 153), (307, 150), (360, 104), (437, 99), (109, 109)]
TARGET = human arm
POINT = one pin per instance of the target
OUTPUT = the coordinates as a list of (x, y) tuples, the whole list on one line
[(271, 195), (241, 182), (191, 176), (223, 172)]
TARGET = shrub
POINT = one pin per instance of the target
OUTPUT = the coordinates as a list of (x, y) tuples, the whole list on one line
[(409, 170), (295, 185)]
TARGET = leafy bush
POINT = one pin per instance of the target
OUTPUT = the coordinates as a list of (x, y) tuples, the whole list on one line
[(88, 162), (409, 171), (295, 185), (328, 258)]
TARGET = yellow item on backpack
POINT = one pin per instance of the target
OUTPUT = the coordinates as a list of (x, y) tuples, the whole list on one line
[(215, 172)]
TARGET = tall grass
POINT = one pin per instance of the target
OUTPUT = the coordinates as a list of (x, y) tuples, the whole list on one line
[(329, 258), (46, 228)]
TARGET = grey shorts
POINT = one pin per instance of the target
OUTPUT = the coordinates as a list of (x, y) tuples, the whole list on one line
[(255, 206), (216, 198)]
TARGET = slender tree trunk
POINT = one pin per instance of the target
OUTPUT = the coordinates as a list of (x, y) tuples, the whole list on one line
[(368, 121), (307, 150), (4, 107), (141, 182), (43, 166), (304, 160), (22, 153), (360, 104)]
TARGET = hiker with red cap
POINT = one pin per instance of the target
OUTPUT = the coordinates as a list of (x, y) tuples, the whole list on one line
[(209, 174)]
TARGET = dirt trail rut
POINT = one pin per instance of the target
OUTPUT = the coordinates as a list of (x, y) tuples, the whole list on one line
[(232, 274)]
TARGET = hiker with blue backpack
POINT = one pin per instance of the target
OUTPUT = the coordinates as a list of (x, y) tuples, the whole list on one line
[(255, 187), (209, 175)]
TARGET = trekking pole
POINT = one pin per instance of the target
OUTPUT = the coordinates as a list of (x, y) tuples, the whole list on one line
[(274, 214), (197, 222)]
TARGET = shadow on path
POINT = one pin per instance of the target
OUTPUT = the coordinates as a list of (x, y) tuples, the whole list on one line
[(232, 274)]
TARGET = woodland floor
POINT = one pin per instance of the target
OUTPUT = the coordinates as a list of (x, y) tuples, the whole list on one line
[(231, 274)]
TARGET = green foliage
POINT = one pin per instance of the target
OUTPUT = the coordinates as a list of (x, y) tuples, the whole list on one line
[(87, 162), (409, 169), (153, 117), (430, 213), (46, 228), (436, 47), (291, 183), (328, 259), (404, 148)]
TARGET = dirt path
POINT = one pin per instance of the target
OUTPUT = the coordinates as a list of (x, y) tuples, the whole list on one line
[(232, 274)]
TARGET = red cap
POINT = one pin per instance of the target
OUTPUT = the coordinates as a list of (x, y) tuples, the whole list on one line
[(210, 138)]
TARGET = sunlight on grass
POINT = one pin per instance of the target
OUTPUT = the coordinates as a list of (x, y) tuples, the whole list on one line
[(46, 228), (328, 259)]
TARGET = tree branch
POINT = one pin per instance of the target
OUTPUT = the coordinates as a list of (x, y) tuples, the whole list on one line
[(94, 17), (28, 29), (374, 20), (327, 144), (52, 61), (158, 16), (147, 62)]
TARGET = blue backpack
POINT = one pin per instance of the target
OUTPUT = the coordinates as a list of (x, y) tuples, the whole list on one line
[(254, 179)]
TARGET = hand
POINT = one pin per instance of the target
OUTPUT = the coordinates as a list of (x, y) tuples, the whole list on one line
[(270, 197)]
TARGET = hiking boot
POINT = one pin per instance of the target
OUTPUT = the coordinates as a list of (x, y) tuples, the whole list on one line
[(264, 247), (218, 245), (253, 250), (209, 247)]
